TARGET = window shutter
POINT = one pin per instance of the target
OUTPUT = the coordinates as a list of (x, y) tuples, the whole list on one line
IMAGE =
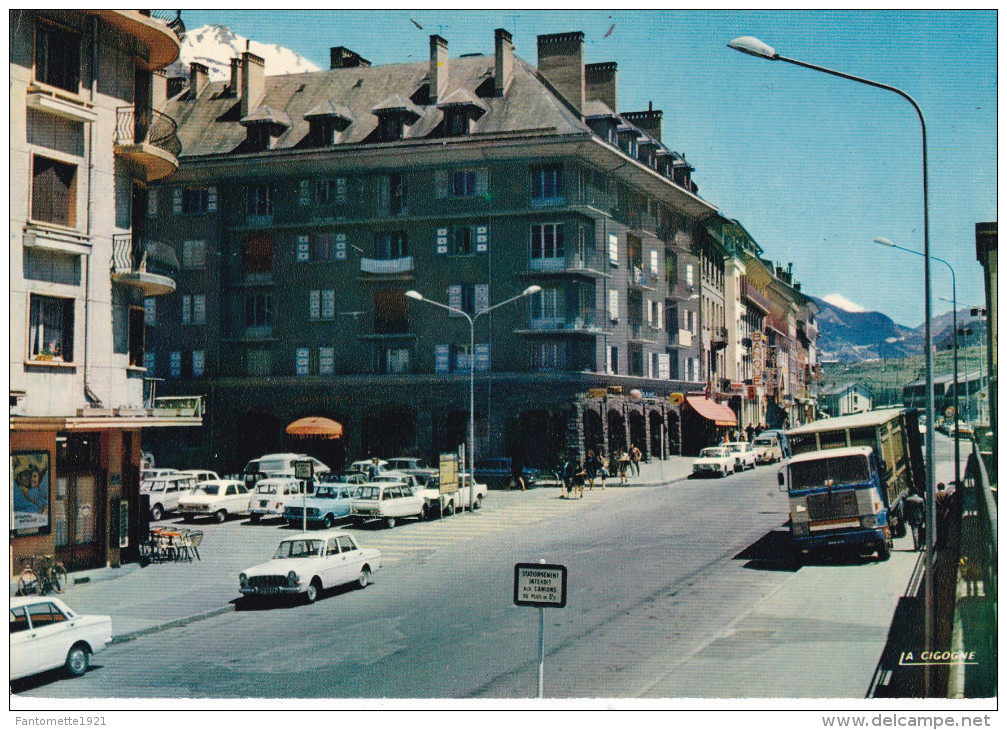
[(613, 249), (314, 304), (150, 362), (303, 359), (442, 241), (482, 239), (149, 310), (441, 183), (483, 358), (649, 306), (328, 304), (176, 364), (482, 181), (152, 204), (304, 196), (455, 297), (442, 358), (303, 248), (198, 363), (326, 360), (199, 309), (340, 247), (482, 297), (653, 262), (659, 323), (340, 189), (211, 199), (186, 309), (664, 366), (613, 304), (176, 203)]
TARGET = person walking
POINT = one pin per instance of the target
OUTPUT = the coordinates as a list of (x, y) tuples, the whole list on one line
[(623, 466), (591, 467), (603, 469), (578, 479), (634, 459), (516, 474), (750, 431), (569, 470)]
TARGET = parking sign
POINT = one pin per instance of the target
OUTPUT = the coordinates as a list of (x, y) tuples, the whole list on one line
[(538, 584)]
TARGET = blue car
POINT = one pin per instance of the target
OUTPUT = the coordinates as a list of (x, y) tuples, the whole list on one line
[(328, 505)]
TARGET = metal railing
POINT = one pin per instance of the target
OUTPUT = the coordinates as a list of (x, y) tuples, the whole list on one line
[(402, 265), (588, 259), (591, 320), (171, 18), (147, 126), (142, 256), (640, 277)]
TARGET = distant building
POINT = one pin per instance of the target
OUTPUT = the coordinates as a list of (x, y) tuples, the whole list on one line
[(844, 399), (986, 252)]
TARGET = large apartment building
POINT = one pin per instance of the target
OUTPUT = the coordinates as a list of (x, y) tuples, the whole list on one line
[(86, 141), (308, 205)]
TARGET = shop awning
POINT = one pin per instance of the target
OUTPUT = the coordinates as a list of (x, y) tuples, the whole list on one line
[(720, 413), (317, 427)]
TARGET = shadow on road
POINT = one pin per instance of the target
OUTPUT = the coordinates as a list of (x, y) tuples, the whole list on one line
[(42, 679), (770, 552), (268, 603)]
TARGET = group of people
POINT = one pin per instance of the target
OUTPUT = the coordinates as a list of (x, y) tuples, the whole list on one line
[(596, 467)]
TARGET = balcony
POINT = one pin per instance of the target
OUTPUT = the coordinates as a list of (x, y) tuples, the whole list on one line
[(588, 323), (754, 296), (585, 263), (402, 267), (682, 338), (644, 333), (719, 334), (680, 290), (642, 279), (150, 266), (149, 139)]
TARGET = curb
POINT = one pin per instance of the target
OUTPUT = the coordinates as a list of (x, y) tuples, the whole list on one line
[(174, 623)]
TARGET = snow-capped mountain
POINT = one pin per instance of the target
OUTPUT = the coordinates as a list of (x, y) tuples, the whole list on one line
[(215, 45)]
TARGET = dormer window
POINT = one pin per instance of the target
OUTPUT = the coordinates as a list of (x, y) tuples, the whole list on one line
[(323, 133), (628, 140), (460, 109), (259, 137), (327, 122), (264, 126), (390, 128), (457, 123), (394, 114)]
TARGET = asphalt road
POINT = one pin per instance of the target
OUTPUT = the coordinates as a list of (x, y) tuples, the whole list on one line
[(678, 591)]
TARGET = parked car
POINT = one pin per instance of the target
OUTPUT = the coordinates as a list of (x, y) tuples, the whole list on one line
[(305, 566), (271, 496), (437, 504), (200, 474), (388, 502), (166, 491), (495, 472), (744, 453), (368, 468), (151, 473), (341, 477), (767, 449), (45, 634), (217, 499), (277, 465), (328, 505), (404, 463), (716, 460)]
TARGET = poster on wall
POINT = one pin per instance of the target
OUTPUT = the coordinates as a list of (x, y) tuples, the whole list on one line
[(30, 483)]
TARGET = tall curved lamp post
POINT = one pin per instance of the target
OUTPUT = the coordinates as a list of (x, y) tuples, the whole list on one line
[(471, 319), (954, 319), (755, 47)]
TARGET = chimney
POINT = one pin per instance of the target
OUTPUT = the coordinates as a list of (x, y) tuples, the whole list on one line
[(438, 68), (504, 62), (198, 76), (253, 82), (561, 63), (235, 86), (650, 122), (599, 80), (342, 57), (175, 86)]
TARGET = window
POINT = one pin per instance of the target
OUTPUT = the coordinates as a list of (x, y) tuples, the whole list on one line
[(390, 128), (392, 245), (260, 199), (53, 191), (613, 249), (136, 337), (548, 356), (463, 183), (612, 360), (259, 310), (547, 182), (331, 192), (195, 201), (57, 57), (323, 247), (393, 360), (547, 241), (323, 131), (392, 194), (547, 305), (456, 123), (391, 311), (50, 335), (259, 362), (260, 136), (461, 241), (194, 255), (257, 255)]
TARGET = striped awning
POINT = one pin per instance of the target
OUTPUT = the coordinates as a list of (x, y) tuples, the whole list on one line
[(720, 413)]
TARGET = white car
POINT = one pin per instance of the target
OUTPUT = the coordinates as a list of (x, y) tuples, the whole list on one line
[(367, 467), (166, 491), (201, 475), (716, 460), (744, 453), (151, 473), (277, 465), (272, 495), (217, 499), (308, 564), (767, 449), (46, 634), (385, 501)]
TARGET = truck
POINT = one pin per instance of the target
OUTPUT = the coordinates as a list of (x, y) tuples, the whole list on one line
[(848, 478)]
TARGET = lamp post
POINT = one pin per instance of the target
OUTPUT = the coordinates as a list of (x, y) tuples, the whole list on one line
[(755, 47), (413, 294)]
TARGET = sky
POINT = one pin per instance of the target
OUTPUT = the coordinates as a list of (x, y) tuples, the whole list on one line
[(815, 167)]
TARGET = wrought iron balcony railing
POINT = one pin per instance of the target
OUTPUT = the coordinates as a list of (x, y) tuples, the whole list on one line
[(171, 18), (147, 126), (130, 256)]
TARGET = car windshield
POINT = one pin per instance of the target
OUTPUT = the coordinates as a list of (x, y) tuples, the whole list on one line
[(157, 486), (762, 442), (297, 549), (209, 489), (369, 493), (713, 453), (266, 488), (266, 466), (829, 472)]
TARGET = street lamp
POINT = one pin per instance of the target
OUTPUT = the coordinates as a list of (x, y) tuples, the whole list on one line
[(755, 47), (413, 294), (954, 319)]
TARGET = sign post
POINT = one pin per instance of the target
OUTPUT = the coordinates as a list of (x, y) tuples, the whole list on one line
[(448, 479), (304, 470), (544, 586)]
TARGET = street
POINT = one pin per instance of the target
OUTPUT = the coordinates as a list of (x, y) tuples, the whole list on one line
[(685, 590)]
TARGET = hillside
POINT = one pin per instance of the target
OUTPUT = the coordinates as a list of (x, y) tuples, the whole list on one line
[(215, 45)]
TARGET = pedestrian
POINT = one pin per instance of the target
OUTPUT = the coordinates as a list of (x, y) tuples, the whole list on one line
[(591, 467), (634, 459), (913, 513), (603, 470), (623, 466), (578, 479), (516, 474), (750, 431), (569, 470)]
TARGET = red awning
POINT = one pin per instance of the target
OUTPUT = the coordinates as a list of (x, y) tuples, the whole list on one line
[(720, 413)]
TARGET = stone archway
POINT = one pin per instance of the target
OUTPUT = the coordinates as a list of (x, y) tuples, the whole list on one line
[(674, 432), (616, 432), (656, 421), (638, 431), (594, 431)]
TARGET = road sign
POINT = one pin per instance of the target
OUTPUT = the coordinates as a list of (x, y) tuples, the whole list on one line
[(538, 584), (448, 473), (676, 398), (950, 412), (304, 469)]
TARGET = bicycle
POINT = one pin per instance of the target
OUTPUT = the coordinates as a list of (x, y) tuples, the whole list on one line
[(40, 574)]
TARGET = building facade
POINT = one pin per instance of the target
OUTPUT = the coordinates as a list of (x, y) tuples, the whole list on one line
[(844, 399), (86, 141)]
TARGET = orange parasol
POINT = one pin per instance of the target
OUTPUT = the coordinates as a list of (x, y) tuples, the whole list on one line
[(316, 426)]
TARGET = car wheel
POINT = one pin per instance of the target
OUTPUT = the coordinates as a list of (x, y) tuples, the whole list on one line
[(77, 660), (884, 552), (449, 509), (327, 521), (389, 522), (364, 578), (156, 512), (478, 503), (220, 515), (314, 588)]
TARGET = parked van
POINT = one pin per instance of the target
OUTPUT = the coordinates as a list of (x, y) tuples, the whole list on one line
[(276, 465), (165, 491)]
